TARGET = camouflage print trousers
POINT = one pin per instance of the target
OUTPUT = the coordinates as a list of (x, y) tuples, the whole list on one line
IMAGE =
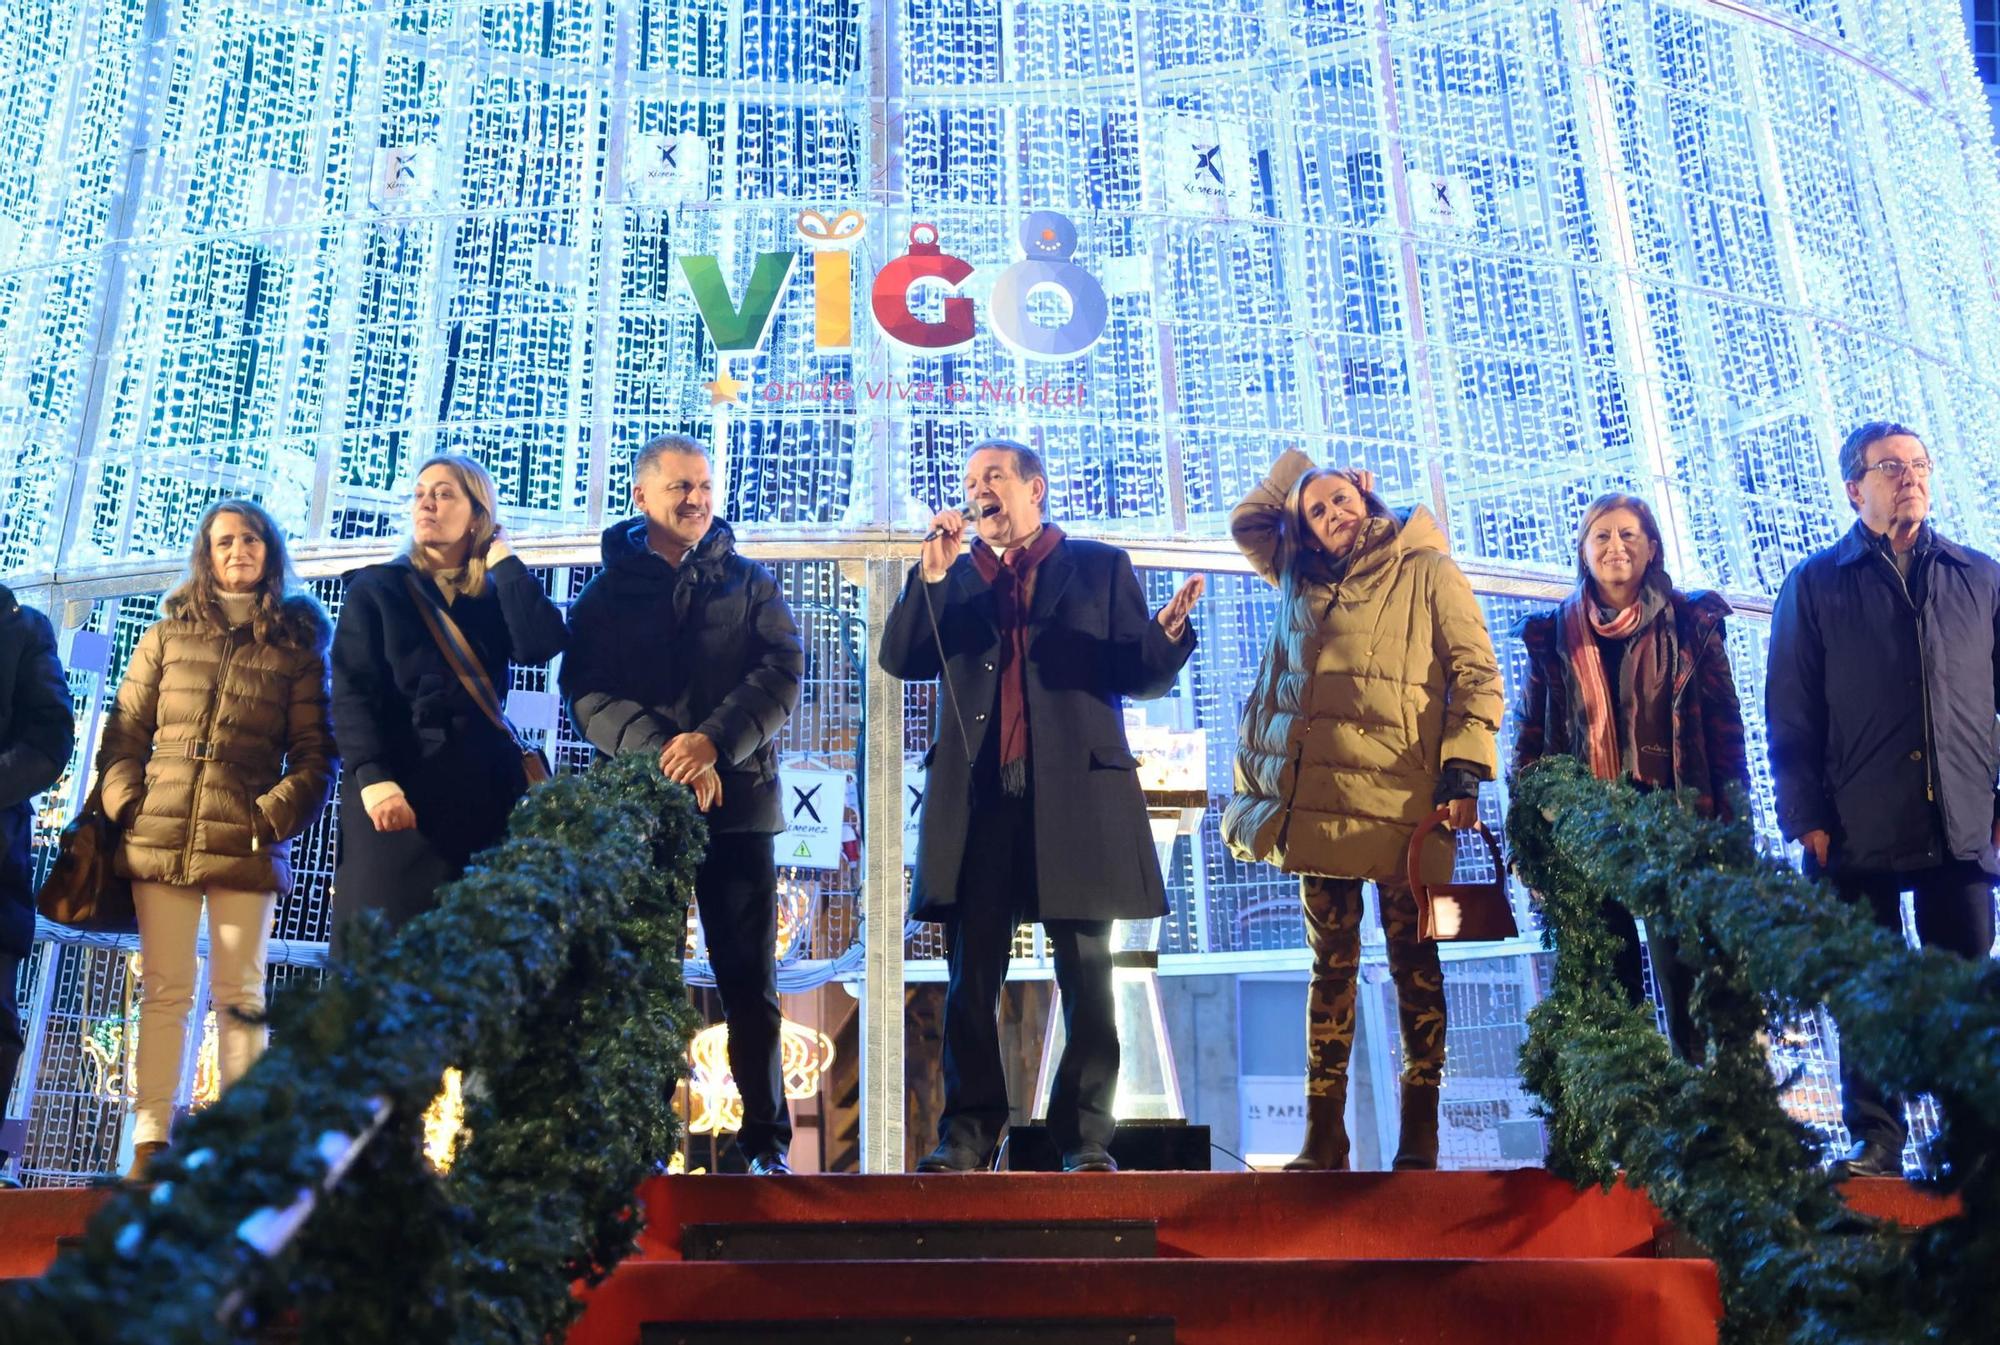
[(1333, 932)]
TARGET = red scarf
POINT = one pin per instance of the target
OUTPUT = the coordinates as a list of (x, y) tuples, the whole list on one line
[(1013, 583)]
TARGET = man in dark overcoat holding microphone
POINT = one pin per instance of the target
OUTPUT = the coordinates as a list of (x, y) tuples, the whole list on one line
[(1033, 809)]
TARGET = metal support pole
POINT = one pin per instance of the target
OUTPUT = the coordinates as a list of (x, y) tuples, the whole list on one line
[(882, 901)]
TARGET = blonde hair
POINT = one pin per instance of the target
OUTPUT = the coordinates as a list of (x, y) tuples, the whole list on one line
[(477, 483)]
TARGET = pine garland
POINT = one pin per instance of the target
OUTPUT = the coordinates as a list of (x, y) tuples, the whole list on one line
[(551, 973), (1712, 1145)]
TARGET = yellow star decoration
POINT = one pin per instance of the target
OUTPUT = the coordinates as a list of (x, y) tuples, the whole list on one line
[(722, 388)]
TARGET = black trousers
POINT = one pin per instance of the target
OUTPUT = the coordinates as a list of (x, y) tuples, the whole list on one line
[(1954, 910), (736, 891), (996, 892), (12, 1043), (1673, 977)]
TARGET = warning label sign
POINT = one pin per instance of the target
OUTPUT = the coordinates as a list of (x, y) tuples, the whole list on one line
[(812, 801)]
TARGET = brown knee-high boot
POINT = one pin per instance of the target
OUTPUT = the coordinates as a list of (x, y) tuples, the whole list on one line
[(1417, 1146), (1325, 1149)]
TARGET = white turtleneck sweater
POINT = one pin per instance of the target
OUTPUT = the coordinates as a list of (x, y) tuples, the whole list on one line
[(236, 607)]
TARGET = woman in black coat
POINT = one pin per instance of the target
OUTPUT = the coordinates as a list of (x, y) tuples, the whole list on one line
[(1631, 676), (429, 780), (37, 734)]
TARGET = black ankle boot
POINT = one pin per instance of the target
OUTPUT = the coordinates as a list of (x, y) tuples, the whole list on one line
[(1417, 1147), (1326, 1133), (1872, 1156)]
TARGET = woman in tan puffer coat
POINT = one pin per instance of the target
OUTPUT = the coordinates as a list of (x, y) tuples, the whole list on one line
[(1377, 701), (217, 754)]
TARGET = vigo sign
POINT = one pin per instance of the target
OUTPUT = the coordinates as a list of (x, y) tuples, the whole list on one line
[(1047, 238)]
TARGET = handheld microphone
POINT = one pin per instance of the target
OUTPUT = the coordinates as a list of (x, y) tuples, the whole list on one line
[(973, 513)]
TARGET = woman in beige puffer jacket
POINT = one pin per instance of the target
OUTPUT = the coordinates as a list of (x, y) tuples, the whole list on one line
[(1378, 700), (217, 754)]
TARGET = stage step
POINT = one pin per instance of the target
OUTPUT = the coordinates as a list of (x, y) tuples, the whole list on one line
[(1300, 1215), (1099, 1239), (36, 1221), (1153, 1331), (1473, 1258), (1630, 1301)]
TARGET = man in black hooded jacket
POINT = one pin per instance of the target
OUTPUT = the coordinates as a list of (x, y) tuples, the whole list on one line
[(37, 731), (684, 649)]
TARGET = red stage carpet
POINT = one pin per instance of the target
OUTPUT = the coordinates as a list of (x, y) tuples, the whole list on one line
[(1200, 1258)]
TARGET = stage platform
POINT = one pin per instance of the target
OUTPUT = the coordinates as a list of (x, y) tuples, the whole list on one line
[(1126, 1259)]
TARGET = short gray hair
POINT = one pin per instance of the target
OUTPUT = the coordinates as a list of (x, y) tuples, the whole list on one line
[(659, 446), (1027, 462)]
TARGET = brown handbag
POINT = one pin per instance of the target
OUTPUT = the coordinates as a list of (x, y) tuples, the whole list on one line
[(83, 889), (1451, 912), (457, 651)]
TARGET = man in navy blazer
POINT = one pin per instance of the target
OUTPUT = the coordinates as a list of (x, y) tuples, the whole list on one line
[(1033, 809)]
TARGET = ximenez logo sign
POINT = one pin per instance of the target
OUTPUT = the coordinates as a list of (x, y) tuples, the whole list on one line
[(1048, 239)]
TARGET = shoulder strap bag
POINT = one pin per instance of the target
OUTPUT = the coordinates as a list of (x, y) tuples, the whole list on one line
[(83, 889), (458, 656)]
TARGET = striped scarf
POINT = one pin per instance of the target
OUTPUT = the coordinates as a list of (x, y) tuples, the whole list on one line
[(1630, 740)]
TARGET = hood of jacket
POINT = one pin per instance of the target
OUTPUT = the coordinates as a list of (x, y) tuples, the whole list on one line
[(302, 623), (1383, 542), (626, 554), (1383, 539)]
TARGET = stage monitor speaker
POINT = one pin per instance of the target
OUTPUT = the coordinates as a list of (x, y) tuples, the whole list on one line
[(1139, 1146)]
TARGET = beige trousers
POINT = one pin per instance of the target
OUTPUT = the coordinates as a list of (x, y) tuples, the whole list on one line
[(239, 934)]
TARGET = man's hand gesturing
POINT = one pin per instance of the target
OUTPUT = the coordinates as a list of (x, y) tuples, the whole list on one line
[(1173, 617)]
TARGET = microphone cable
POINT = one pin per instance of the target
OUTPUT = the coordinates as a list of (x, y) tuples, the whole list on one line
[(944, 660)]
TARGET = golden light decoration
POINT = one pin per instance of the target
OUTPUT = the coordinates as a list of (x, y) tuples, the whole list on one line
[(105, 1054), (795, 908), (207, 1086), (804, 1054), (111, 1050), (444, 1123)]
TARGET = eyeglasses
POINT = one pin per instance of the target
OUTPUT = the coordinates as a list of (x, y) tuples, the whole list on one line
[(1892, 469)]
